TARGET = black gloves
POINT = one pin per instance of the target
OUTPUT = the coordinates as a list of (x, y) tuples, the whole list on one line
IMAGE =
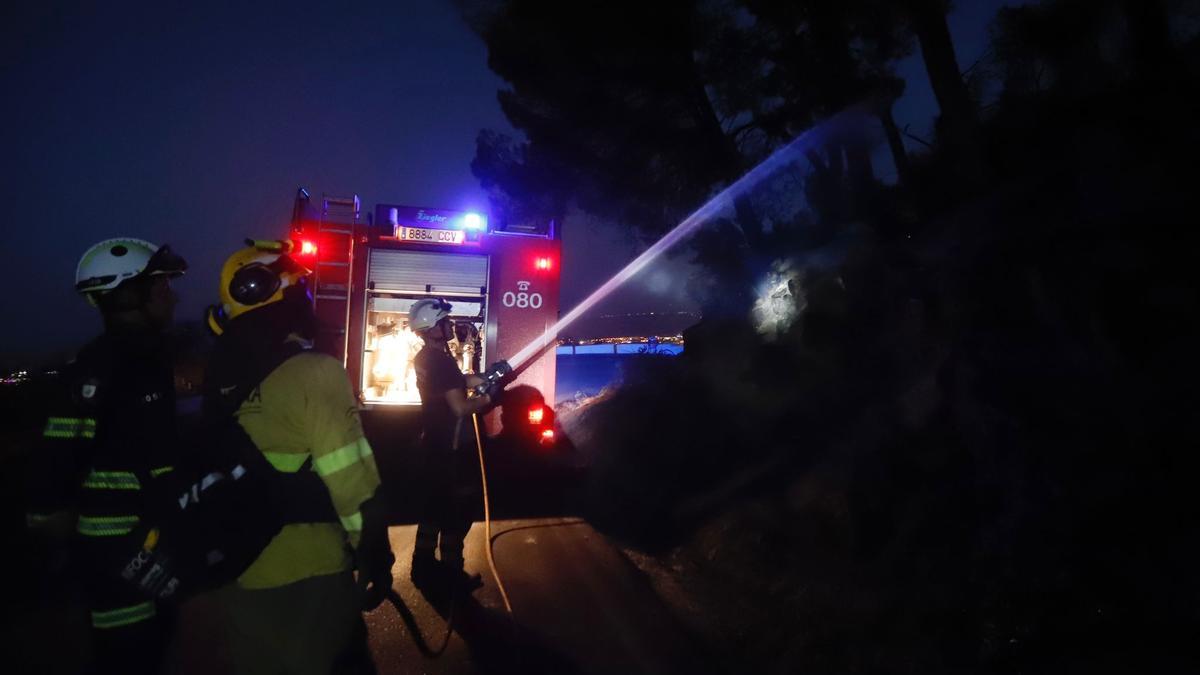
[(151, 570), (492, 380)]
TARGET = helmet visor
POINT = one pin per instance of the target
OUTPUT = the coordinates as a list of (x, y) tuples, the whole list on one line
[(257, 282), (286, 264), (165, 261)]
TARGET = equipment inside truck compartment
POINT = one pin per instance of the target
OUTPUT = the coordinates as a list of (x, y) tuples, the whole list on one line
[(397, 279)]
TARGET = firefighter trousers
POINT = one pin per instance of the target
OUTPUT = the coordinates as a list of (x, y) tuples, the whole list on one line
[(136, 648), (448, 500), (314, 625), (130, 632)]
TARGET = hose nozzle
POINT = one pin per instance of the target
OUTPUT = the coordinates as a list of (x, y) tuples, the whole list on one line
[(492, 378)]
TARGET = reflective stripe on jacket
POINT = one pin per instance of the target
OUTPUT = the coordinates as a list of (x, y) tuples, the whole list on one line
[(110, 431), (123, 616)]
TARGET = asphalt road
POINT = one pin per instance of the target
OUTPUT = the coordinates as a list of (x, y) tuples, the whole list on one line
[(578, 607)]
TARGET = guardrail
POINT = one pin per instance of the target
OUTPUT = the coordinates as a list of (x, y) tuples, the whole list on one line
[(620, 348)]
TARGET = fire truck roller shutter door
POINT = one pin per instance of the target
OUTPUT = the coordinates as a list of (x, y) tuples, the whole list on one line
[(415, 271)]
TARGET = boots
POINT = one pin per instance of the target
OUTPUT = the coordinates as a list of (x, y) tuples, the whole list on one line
[(426, 570), (460, 581), (430, 575), (452, 563)]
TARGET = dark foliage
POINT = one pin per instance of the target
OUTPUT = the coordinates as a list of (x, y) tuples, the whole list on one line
[(973, 452)]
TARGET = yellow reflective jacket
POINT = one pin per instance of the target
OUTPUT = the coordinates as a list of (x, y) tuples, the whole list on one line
[(305, 408)]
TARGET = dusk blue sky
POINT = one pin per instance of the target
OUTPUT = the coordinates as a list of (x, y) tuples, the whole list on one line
[(194, 123)]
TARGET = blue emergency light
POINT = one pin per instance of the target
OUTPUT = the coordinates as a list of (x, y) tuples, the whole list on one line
[(473, 221)]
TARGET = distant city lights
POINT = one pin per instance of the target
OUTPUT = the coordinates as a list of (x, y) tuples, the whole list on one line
[(15, 377), (22, 376), (631, 314), (626, 340)]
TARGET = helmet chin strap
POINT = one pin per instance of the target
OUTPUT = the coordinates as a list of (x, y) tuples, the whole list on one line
[(445, 332), (215, 319), (132, 318), (437, 333), (297, 298)]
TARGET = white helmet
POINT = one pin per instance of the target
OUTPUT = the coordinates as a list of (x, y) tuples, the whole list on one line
[(426, 313), (109, 263)]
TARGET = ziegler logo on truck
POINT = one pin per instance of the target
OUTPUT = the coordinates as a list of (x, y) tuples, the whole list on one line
[(522, 299), (430, 236), (431, 217)]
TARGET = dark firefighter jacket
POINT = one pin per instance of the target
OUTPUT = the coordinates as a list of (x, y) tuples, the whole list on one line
[(108, 439)]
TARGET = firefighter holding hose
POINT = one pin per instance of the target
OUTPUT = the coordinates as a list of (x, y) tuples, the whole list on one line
[(450, 472)]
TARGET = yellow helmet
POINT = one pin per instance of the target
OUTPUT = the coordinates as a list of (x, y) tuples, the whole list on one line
[(254, 277)]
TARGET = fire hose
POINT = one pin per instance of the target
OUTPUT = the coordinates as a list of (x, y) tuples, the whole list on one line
[(487, 518), (492, 380), (405, 614)]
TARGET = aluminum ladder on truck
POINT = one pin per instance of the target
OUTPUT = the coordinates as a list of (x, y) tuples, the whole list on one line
[(335, 228)]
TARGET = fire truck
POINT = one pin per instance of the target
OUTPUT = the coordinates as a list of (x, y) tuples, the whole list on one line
[(502, 280)]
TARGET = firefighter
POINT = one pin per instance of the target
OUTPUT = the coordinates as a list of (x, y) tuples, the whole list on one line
[(297, 607), (110, 440), (449, 471)]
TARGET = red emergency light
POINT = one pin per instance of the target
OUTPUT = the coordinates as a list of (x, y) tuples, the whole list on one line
[(308, 248), (536, 414), (543, 263), (548, 436)]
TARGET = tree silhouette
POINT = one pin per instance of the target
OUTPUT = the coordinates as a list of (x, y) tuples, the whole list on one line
[(982, 429), (643, 112)]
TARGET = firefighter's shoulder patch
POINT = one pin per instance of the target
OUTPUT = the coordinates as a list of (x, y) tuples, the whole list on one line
[(87, 391)]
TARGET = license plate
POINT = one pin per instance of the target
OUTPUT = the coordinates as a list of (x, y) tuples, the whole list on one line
[(430, 236)]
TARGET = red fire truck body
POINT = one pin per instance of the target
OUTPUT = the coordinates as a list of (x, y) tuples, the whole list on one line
[(503, 284)]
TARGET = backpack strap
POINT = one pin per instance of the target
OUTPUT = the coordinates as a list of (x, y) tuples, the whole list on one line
[(299, 496)]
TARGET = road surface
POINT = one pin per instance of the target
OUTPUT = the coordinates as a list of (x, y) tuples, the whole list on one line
[(579, 607)]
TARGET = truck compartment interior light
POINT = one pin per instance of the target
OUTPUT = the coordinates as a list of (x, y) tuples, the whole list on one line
[(389, 346), (536, 414), (543, 263), (390, 350)]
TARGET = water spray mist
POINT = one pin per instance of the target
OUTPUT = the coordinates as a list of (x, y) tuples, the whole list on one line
[(764, 170)]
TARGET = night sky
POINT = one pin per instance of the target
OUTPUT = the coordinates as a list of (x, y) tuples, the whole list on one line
[(194, 124)]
